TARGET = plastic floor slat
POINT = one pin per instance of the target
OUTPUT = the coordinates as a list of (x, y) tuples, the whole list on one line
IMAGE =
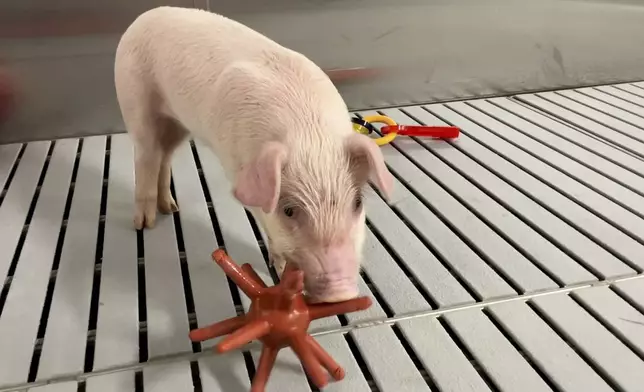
[(569, 186), (538, 204), (172, 377), (224, 373), (114, 382), (117, 321), (616, 314), (622, 92), (446, 364), (65, 340), (421, 263), (540, 249), (199, 240), (507, 260), (633, 89), (573, 167), (619, 124), (596, 128), (383, 352), (548, 351), (615, 101), (633, 290), (17, 201), (25, 301), (616, 361), (166, 313), (513, 109), (8, 155), (505, 366), (588, 166)]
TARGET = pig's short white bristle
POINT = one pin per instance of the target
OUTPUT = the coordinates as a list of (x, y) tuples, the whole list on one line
[(319, 181)]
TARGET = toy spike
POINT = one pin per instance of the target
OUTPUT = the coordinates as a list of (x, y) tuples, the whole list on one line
[(244, 335), (250, 272), (326, 360), (223, 328), (266, 363), (279, 316)]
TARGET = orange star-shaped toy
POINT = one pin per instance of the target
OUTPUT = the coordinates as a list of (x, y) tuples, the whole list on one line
[(279, 316)]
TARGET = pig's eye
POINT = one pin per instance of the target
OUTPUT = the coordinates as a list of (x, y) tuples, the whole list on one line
[(357, 203), (289, 211)]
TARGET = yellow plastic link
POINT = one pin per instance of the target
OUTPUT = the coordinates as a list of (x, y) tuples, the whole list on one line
[(378, 118), (360, 129)]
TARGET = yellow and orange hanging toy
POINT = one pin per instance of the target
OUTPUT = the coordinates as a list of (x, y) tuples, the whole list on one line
[(391, 130)]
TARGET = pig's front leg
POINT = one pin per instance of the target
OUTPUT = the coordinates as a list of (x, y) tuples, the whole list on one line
[(146, 176), (274, 260), (155, 146), (278, 262)]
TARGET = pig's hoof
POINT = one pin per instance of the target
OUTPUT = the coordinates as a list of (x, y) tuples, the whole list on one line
[(167, 205), (143, 221)]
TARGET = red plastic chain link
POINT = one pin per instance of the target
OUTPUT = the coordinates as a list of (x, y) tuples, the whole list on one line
[(442, 132)]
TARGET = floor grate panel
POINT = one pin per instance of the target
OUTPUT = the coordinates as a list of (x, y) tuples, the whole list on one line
[(509, 259)]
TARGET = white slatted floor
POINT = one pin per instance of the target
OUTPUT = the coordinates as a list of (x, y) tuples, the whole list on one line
[(509, 260)]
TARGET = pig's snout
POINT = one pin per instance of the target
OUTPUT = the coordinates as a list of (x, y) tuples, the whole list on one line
[(338, 279), (331, 289)]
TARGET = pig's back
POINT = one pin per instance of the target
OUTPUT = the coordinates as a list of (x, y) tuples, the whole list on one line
[(174, 35), (183, 51)]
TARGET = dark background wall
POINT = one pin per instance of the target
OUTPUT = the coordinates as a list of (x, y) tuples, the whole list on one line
[(60, 52)]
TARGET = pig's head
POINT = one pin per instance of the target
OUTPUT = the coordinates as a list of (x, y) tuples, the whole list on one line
[(309, 196)]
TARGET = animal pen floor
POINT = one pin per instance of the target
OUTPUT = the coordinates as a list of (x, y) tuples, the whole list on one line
[(508, 260)]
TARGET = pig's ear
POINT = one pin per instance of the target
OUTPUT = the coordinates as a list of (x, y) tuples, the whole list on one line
[(258, 183), (367, 163)]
